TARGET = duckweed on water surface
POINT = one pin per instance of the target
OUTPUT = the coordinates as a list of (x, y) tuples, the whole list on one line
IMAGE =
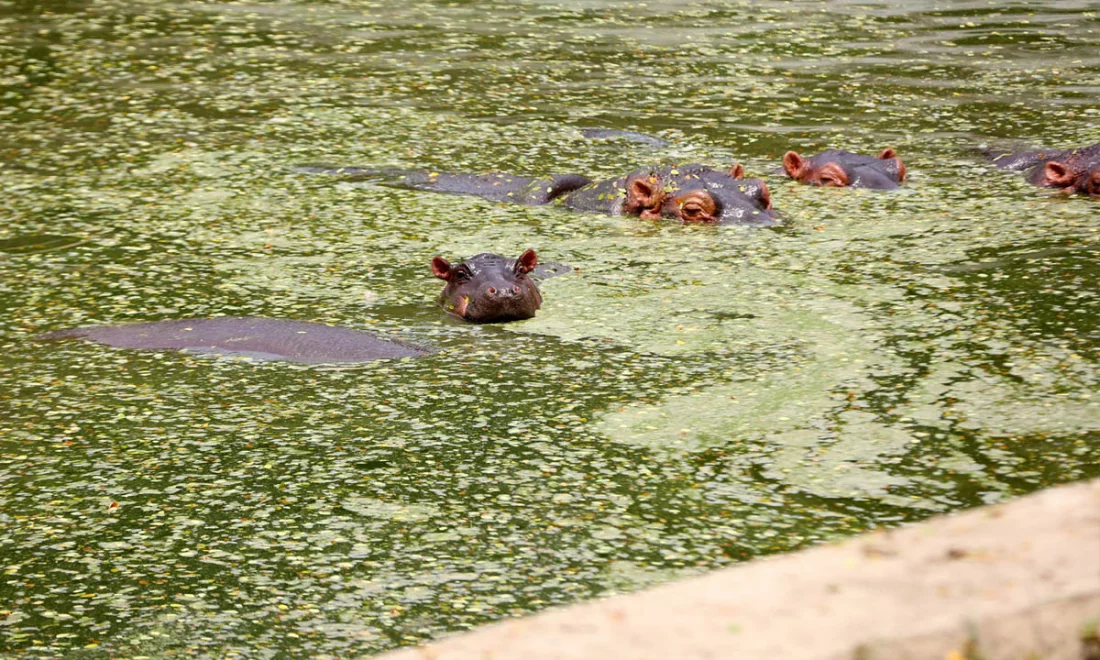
[(690, 397)]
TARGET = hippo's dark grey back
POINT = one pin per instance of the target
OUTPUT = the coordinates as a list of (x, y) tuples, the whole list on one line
[(296, 341)]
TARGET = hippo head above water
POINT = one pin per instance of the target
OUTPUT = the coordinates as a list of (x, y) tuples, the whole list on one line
[(692, 193), (844, 169), (1070, 175), (489, 288), (1073, 171), (1090, 183)]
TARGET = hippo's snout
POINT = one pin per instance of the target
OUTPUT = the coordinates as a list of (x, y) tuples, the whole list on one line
[(503, 292), (503, 302)]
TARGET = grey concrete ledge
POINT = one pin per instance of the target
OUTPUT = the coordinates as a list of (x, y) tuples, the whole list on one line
[(1015, 580)]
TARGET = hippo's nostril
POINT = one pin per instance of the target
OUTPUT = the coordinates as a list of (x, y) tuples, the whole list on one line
[(515, 289)]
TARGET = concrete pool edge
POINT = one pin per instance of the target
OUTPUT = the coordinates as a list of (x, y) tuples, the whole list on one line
[(1013, 580)]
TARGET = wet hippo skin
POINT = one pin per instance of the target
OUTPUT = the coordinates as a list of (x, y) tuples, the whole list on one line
[(619, 134), (490, 288), (844, 169), (690, 193), (296, 341), (487, 288), (1073, 171)]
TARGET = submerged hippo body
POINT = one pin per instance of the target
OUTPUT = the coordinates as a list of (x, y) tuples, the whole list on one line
[(844, 169), (295, 341), (1074, 171), (627, 136), (497, 187), (489, 288), (688, 193)]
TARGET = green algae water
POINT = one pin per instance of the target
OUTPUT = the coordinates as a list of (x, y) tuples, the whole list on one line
[(689, 398)]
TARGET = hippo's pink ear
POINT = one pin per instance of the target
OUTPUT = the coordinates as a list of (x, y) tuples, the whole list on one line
[(737, 171), (765, 196), (1057, 175), (441, 268), (644, 197), (644, 190), (795, 165), (527, 261), (887, 154)]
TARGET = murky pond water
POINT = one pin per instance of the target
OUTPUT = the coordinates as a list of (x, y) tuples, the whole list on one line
[(689, 398)]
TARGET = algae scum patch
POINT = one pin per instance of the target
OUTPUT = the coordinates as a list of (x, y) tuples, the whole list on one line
[(688, 398)]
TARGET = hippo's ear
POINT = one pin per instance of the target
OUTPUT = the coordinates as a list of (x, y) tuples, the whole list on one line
[(527, 261), (441, 268), (1057, 175), (831, 175), (737, 171), (765, 196), (642, 188), (795, 165), (887, 154), (644, 197)]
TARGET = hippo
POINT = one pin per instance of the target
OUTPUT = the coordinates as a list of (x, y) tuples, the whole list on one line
[(261, 338), (1073, 171), (490, 288), (486, 288), (690, 193), (841, 169), (627, 136)]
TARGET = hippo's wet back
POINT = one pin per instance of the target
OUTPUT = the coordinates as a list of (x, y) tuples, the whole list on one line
[(271, 339)]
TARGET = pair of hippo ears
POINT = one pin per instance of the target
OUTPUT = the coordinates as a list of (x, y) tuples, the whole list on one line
[(829, 174), (524, 264)]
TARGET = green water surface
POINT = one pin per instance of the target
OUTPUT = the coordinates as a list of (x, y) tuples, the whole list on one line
[(689, 398)]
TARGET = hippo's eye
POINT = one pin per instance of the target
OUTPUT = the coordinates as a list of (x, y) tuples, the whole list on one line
[(462, 274), (1092, 184), (691, 211), (697, 206)]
